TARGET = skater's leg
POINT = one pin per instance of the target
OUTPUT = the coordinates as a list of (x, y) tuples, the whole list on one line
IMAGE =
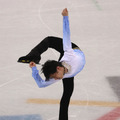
[(68, 86), (48, 42)]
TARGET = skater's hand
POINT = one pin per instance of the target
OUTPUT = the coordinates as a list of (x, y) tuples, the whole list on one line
[(32, 64), (65, 12)]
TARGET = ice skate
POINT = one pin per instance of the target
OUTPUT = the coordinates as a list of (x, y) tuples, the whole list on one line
[(28, 59)]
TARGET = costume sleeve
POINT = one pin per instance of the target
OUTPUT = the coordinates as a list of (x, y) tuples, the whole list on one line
[(66, 34), (40, 82)]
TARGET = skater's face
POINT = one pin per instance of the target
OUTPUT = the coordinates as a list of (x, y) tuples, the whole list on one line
[(59, 74)]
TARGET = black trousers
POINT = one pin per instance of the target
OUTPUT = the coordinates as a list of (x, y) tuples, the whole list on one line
[(68, 83)]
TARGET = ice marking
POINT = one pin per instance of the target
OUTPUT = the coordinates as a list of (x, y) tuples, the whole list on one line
[(113, 115), (75, 102), (4, 84), (97, 4)]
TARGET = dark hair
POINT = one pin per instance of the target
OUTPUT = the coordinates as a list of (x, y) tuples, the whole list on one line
[(49, 68)]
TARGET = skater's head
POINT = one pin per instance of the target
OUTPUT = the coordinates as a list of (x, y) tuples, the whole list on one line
[(53, 69)]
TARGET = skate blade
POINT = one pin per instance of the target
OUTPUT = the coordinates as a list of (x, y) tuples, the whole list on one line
[(26, 61)]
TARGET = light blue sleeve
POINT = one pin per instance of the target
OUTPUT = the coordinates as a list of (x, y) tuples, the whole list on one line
[(40, 82), (66, 34)]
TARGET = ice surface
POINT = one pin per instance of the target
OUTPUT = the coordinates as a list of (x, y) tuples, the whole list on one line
[(94, 27)]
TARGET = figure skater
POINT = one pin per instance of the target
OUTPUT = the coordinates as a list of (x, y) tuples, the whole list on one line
[(69, 64)]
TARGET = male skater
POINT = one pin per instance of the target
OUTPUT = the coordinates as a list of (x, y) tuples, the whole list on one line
[(70, 63)]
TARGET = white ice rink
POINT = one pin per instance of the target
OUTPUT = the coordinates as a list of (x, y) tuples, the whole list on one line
[(95, 27)]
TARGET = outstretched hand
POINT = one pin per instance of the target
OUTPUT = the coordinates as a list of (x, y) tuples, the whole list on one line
[(32, 64), (65, 12)]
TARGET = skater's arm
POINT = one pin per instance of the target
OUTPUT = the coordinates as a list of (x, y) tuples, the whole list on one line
[(40, 82), (66, 31), (35, 74)]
